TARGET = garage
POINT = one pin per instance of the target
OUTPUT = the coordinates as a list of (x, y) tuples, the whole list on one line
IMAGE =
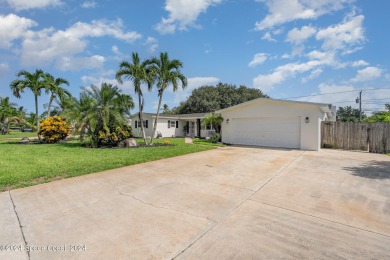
[(276, 123), (267, 131)]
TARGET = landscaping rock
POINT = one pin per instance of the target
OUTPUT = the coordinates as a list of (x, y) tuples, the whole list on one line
[(25, 140), (130, 142)]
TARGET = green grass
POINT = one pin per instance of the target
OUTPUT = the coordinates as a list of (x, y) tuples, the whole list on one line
[(17, 134), (205, 142), (26, 165)]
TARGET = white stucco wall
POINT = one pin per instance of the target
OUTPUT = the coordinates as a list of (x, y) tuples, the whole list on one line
[(162, 126), (310, 132)]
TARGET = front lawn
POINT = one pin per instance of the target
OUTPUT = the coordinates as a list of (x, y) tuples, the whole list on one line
[(17, 135), (26, 165)]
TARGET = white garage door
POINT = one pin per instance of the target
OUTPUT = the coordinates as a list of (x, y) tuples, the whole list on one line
[(264, 131)]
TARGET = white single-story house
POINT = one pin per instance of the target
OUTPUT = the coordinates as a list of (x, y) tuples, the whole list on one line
[(275, 123), (172, 125)]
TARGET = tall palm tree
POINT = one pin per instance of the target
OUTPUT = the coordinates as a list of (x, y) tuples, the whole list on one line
[(168, 73), (138, 73), (34, 82), (53, 87)]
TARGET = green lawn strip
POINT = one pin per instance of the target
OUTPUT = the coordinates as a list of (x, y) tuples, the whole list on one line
[(205, 142), (26, 165), (17, 134)]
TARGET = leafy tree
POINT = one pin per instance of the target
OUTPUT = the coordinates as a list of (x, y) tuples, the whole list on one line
[(138, 73), (211, 98), (53, 86), (348, 114), (213, 119), (167, 73), (34, 82), (380, 116)]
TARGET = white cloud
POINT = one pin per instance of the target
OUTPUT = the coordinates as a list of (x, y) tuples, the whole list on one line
[(268, 37), (88, 4), (193, 83), (281, 11), (107, 77), (4, 68), (152, 43), (343, 35), (79, 63), (13, 27), (266, 82), (31, 4), (115, 50), (258, 59), (297, 36), (314, 74), (366, 74), (50, 46), (359, 63), (183, 14)]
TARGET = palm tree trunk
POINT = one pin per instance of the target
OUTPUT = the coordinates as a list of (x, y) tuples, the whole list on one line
[(36, 113), (49, 106), (141, 106), (157, 115)]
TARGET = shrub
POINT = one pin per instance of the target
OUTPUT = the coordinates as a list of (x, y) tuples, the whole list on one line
[(115, 136), (54, 129), (166, 142), (215, 138)]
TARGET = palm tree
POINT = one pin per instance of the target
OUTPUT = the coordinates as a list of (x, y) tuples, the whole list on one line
[(8, 114), (167, 72), (52, 86), (32, 81), (99, 109), (138, 73)]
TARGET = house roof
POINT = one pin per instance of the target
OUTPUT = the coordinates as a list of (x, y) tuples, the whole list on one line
[(176, 116), (326, 108)]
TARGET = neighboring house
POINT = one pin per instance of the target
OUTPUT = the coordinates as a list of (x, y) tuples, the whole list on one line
[(275, 123), (172, 125)]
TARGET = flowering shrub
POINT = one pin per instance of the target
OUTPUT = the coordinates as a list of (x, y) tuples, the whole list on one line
[(166, 142), (115, 135), (54, 129)]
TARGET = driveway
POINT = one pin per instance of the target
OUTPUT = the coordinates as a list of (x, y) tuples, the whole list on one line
[(232, 202)]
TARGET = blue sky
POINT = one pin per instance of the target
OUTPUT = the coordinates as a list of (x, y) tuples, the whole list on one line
[(296, 49)]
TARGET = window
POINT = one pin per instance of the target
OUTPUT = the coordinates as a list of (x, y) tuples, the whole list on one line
[(138, 124), (206, 127), (173, 124)]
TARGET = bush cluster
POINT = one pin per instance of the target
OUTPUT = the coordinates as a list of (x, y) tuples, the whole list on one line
[(54, 129), (215, 138), (114, 136)]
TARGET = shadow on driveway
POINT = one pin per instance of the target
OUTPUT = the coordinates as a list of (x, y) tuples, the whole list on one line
[(371, 170)]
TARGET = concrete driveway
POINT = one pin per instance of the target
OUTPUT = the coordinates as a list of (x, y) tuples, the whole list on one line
[(232, 202)]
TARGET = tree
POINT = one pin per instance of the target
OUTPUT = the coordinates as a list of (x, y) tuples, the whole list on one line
[(380, 116), (34, 82), (211, 98), (167, 73), (348, 114), (100, 111), (214, 120), (166, 110), (53, 86), (138, 73), (8, 114)]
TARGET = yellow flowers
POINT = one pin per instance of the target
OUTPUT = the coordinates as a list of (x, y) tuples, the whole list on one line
[(166, 142), (54, 129)]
